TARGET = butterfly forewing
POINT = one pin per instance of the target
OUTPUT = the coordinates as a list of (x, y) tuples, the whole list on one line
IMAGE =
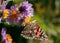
[(28, 31)]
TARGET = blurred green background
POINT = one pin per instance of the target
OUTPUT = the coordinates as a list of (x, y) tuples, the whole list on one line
[(47, 14)]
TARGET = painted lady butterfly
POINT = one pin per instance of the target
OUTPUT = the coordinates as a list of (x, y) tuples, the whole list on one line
[(33, 31)]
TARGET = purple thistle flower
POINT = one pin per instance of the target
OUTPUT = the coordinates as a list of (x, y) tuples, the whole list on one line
[(14, 15), (26, 9), (3, 5), (6, 38)]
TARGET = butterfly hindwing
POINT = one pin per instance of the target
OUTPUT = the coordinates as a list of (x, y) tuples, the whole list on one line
[(33, 31)]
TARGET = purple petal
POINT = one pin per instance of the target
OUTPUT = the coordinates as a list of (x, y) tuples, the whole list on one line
[(7, 42), (0, 19), (3, 5), (15, 7), (3, 33)]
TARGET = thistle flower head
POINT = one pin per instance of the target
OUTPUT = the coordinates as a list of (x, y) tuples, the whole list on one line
[(6, 37), (14, 15), (26, 9)]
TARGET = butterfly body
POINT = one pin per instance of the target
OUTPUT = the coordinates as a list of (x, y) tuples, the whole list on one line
[(33, 31)]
